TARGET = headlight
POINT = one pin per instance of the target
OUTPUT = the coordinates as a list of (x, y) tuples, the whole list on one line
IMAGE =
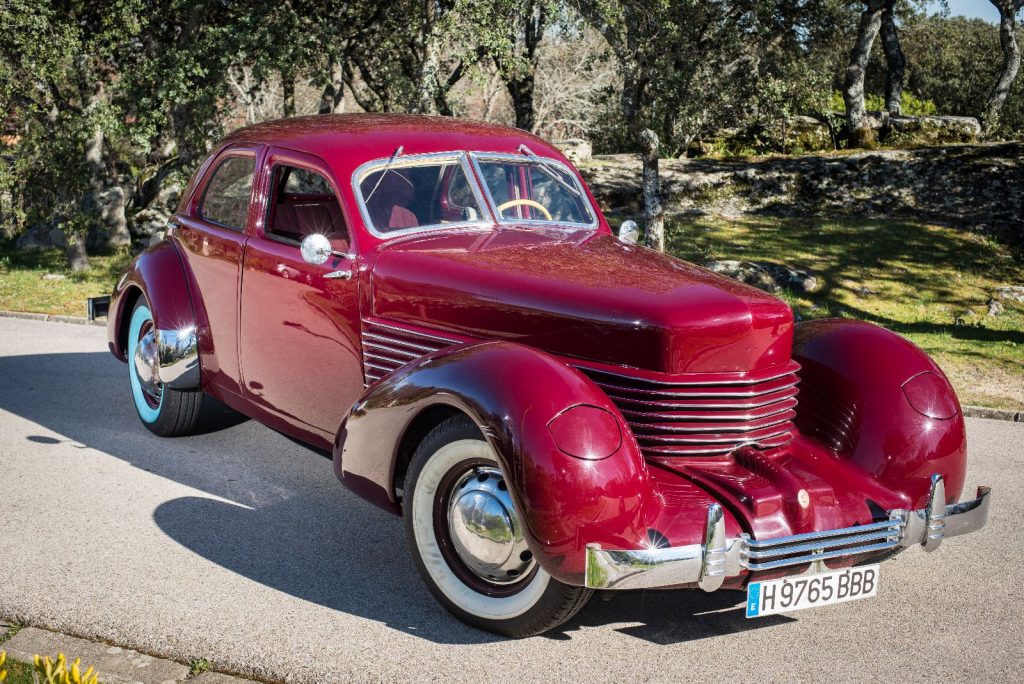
[(931, 396), (586, 432)]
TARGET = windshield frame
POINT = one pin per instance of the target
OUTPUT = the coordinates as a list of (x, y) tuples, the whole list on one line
[(485, 222), (477, 157)]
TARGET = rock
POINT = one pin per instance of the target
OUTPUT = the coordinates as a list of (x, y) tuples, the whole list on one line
[(576, 149), (1011, 292), (808, 134), (767, 277), (155, 238), (57, 238), (935, 130), (970, 312), (995, 307), (54, 276), (148, 222), (36, 238)]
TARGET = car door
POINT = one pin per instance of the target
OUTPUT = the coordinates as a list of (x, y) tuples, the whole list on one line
[(212, 232), (299, 328)]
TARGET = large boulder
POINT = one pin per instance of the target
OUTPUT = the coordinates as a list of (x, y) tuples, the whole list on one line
[(39, 237), (577, 150), (766, 276), (933, 130), (148, 222)]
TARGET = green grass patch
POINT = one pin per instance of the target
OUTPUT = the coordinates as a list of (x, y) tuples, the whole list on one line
[(24, 285), (929, 283), (17, 672)]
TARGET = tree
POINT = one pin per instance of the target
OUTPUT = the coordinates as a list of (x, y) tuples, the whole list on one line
[(686, 68), (1008, 10), (58, 61), (517, 54), (895, 62), (853, 86)]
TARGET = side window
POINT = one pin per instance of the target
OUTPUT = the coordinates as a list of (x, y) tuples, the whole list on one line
[(304, 203), (226, 200)]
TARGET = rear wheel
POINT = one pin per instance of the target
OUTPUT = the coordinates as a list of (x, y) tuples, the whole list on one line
[(467, 540), (164, 411)]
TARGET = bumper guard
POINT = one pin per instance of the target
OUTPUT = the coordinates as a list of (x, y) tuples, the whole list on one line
[(710, 563)]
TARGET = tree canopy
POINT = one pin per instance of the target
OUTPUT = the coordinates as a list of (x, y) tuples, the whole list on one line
[(110, 104)]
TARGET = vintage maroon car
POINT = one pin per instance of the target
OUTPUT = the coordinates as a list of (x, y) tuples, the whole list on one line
[(552, 409)]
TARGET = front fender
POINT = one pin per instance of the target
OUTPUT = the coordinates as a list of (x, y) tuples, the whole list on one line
[(512, 392), (857, 384), (158, 274)]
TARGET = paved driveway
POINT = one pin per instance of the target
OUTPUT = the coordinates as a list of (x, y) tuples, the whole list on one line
[(240, 547)]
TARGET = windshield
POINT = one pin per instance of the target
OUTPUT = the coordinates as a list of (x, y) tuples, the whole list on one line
[(414, 193), (418, 194), (534, 190)]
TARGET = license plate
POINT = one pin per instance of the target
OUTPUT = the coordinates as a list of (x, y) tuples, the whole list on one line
[(810, 591)]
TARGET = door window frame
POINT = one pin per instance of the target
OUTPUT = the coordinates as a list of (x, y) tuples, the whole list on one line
[(281, 156)]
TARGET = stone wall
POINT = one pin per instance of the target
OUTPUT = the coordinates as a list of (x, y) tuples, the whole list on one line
[(979, 187)]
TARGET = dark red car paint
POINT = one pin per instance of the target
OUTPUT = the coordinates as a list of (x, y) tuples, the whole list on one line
[(281, 343)]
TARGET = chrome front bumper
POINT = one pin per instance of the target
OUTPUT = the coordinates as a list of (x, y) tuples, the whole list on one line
[(710, 563)]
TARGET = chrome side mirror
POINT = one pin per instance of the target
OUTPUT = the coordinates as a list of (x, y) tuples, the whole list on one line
[(315, 248), (629, 232)]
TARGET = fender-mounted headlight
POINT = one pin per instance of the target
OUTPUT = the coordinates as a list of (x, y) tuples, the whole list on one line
[(931, 396), (586, 432)]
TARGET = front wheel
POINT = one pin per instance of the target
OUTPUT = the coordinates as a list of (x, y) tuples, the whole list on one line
[(164, 411), (467, 539)]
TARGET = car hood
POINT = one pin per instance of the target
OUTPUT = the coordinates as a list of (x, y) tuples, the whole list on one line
[(583, 295)]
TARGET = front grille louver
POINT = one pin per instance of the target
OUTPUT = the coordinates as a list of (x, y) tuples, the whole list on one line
[(694, 415), (687, 415)]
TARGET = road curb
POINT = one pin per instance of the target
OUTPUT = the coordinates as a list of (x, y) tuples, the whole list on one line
[(113, 664), (51, 318), (994, 413), (969, 411)]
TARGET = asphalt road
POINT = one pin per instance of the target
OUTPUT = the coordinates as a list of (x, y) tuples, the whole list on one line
[(240, 547)]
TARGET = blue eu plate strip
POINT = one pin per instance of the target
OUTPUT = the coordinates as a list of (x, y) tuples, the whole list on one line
[(753, 599)]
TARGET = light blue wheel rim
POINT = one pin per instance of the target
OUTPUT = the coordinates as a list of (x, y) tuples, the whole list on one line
[(147, 413)]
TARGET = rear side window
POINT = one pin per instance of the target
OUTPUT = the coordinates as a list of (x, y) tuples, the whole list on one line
[(226, 200)]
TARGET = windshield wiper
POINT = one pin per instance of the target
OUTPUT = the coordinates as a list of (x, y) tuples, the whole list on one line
[(555, 171), (387, 167)]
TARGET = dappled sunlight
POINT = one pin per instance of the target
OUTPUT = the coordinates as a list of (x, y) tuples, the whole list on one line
[(931, 283)]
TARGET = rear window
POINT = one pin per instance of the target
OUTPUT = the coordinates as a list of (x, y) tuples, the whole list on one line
[(226, 200)]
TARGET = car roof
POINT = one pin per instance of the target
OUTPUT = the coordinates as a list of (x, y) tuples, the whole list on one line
[(370, 136)]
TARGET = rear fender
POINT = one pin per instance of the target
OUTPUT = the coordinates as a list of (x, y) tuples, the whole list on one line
[(159, 275), (512, 393)]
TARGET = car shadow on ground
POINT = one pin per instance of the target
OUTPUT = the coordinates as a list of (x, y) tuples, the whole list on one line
[(281, 519)]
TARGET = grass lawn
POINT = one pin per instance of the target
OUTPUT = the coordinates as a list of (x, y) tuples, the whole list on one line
[(18, 673), (929, 283), (23, 286)]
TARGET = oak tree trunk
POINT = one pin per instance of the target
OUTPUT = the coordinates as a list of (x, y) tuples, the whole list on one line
[(106, 201), (1011, 59), (332, 100), (288, 88), (75, 252), (895, 62), (859, 132), (521, 91), (654, 233)]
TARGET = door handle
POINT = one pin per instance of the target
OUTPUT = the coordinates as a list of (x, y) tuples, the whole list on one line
[(339, 275)]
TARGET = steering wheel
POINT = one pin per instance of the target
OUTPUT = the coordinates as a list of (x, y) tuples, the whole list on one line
[(527, 203)]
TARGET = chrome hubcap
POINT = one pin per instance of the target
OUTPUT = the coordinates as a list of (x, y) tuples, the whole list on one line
[(147, 364), (485, 529)]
